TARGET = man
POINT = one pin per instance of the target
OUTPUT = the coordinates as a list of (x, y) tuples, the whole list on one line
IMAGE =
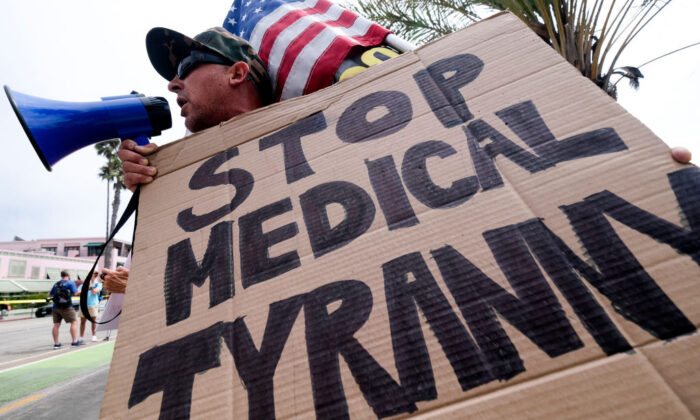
[(216, 76), (61, 294), (93, 305)]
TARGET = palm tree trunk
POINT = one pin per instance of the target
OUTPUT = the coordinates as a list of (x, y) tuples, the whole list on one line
[(116, 201)]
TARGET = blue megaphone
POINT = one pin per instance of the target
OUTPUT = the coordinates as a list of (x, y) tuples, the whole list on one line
[(57, 129)]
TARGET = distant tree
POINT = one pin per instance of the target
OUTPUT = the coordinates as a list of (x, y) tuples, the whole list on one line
[(589, 34), (111, 172)]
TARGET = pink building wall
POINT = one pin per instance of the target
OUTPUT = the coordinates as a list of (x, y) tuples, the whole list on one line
[(37, 266), (71, 249)]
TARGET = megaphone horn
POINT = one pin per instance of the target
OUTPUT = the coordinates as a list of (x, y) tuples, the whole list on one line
[(57, 129)]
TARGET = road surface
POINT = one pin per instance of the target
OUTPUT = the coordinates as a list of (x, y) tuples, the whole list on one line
[(38, 382)]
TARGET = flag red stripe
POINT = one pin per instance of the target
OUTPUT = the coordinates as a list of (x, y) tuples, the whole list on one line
[(346, 20), (273, 31), (323, 72)]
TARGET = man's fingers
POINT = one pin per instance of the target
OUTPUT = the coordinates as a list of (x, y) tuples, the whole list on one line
[(132, 180), (136, 168), (681, 154), (130, 145), (147, 149), (127, 144), (135, 174), (130, 156), (135, 165)]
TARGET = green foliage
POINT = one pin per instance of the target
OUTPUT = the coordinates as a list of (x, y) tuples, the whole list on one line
[(419, 21), (590, 34), (111, 171)]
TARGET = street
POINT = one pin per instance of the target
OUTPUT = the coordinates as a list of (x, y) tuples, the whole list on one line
[(37, 381), (78, 398)]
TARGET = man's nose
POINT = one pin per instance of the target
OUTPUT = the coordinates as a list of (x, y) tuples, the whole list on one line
[(175, 85)]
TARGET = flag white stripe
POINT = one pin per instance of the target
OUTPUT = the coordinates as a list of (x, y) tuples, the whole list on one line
[(301, 69), (292, 32), (272, 18)]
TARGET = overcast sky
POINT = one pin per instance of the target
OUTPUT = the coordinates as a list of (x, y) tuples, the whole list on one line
[(80, 50)]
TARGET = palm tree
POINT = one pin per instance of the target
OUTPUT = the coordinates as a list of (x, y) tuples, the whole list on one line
[(590, 34), (112, 172)]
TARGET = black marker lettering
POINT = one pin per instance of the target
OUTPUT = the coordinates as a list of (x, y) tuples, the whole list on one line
[(359, 215), (182, 271), (623, 280), (479, 297), (204, 177), (353, 126), (171, 367), (417, 179), (331, 335), (256, 264), (489, 177), (391, 195), (410, 351), (562, 264), (440, 84), (527, 123), (257, 368), (295, 164)]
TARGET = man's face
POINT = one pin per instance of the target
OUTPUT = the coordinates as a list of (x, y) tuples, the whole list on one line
[(202, 96)]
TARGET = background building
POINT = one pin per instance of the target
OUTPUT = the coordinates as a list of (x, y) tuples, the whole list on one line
[(34, 266)]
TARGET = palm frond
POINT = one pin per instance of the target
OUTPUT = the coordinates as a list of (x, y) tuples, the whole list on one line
[(585, 32)]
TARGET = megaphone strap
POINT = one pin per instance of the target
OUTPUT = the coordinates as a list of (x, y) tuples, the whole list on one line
[(131, 208)]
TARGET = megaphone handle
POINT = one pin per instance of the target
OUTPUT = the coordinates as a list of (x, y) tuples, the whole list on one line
[(142, 140)]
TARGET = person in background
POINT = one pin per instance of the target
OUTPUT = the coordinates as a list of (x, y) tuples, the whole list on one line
[(93, 306), (4, 309), (61, 295)]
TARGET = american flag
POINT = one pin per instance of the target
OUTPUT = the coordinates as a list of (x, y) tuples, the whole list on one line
[(302, 43)]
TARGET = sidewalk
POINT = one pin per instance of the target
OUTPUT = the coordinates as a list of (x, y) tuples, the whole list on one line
[(18, 314), (71, 380), (23, 380)]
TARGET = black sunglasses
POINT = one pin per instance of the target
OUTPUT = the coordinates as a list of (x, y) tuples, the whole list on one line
[(196, 58)]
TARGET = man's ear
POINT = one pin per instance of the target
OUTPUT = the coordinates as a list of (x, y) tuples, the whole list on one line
[(238, 73)]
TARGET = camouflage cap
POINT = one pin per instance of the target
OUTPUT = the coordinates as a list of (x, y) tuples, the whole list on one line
[(166, 48)]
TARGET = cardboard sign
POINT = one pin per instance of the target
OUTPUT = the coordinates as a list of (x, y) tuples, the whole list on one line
[(472, 230)]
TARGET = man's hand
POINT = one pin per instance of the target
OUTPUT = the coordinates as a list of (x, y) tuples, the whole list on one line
[(135, 165), (681, 154), (115, 280)]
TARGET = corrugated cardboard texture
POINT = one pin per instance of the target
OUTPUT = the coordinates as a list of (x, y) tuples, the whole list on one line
[(472, 230)]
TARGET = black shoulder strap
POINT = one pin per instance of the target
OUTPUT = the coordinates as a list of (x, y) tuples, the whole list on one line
[(131, 208)]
